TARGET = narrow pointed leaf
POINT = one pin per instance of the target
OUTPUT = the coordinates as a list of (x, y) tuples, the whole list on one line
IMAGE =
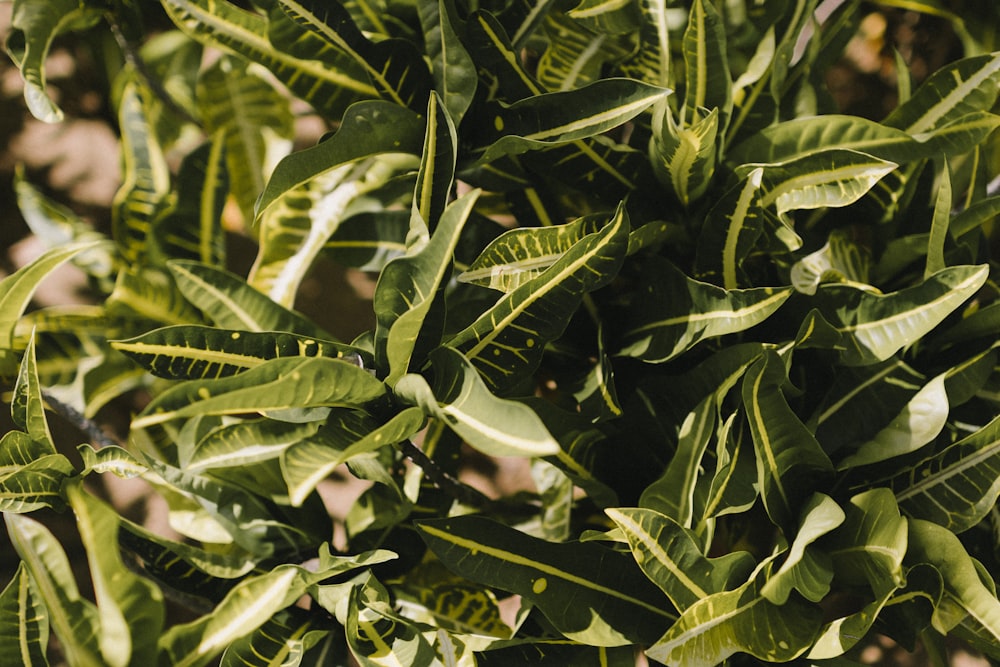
[(27, 406), (31, 475), (329, 82), (232, 304), (790, 463), (247, 607), (408, 287), (956, 487), (195, 352), (130, 608), (708, 84), (146, 184), (681, 312), (17, 289), (670, 557), (741, 620), (24, 622), (575, 54), (561, 117), (247, 442), (522, 254), (511, 336), (453, 68), (394, 67), (919, 423), (874, 327), (963, 87), (278, 384), (684, 157), (588, 592), (252, 119), (279, 642), (732, 227), (368, 128), (74, 619), (495, 426), (966, 599), (346, 435), (191, 228)]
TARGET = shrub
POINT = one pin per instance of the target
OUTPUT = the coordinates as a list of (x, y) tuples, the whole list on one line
[(745, 344)]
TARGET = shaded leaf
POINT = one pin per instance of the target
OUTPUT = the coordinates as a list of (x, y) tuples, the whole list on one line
[(589, 593), (24, 622)]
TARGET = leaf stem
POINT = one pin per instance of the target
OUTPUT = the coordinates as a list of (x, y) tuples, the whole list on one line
[(458, 489)]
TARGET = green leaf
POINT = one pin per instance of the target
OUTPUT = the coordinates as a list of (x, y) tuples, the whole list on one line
[(146, 178), (253, 120), (939, 223), (27, 407), (394, 67), (249, 606), (74, 619), (277, 384), (31, 476), (130, 608), (111, 458), (345, 435), (791, 465), (379, 636), (232, 304), (17, 289), (247, 442), (556, 118), (367, 129), (708, 84), (24, 621), (460, 398), (834, 177), (916, 425), (330, 83), (951, 92), (966, 599), (522, 254), (839, 260), (742, 620), (869, 547), (673, 492), (453, 68), (195, 352), (295, 230), (281, 641), (407, 289), (732, 227), (191, 228), (807, 568), (575, 54), (589, 593), (684, 157), (670, 557), (509, 338), (681, 311), (150, 293), (874, 327), (608, 16), (35, 25), (957, 487)]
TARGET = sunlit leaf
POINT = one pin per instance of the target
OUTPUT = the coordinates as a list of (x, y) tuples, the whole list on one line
[(807, 568), (24, 622)]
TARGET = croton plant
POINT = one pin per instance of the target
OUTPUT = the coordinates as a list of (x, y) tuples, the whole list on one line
[(744, 344)]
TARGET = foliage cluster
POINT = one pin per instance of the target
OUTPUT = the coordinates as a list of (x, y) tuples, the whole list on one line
[(747, 345)]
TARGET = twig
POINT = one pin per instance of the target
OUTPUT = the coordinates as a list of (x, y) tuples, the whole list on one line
[(98, 436), (459, 490), (133, 58)]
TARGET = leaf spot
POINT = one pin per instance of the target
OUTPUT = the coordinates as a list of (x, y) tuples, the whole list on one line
[(783, 644), (529, 342), (539, 586), (235, 335), (204, 393), (498, 123)]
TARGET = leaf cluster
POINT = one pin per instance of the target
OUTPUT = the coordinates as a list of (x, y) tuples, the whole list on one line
[(746, 345)]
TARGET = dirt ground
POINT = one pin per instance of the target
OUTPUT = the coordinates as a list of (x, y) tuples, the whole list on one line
[(77, 163)]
